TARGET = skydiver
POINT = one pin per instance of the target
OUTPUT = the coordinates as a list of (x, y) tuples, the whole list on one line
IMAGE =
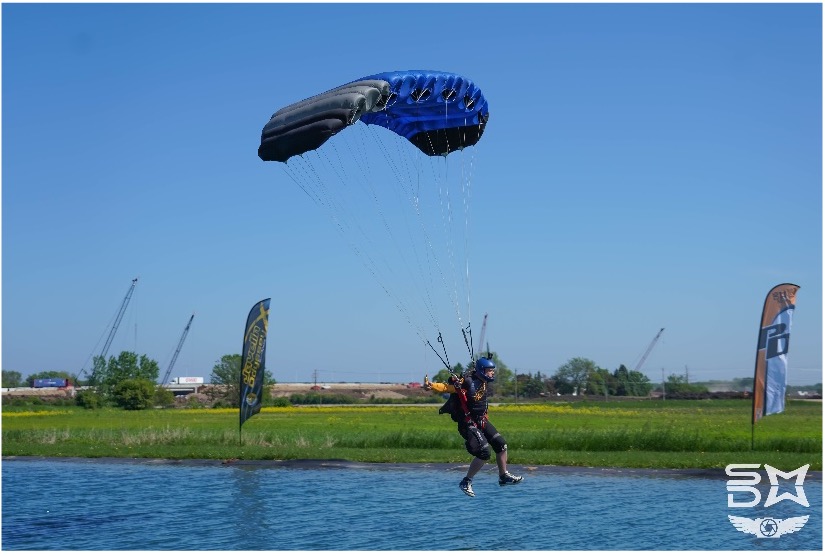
[(478, 432)]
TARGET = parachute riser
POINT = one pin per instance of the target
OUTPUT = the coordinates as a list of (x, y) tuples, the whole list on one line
[(445, 363), (468, 332)]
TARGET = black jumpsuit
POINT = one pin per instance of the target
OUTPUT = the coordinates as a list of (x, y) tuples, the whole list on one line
[(479, 438)]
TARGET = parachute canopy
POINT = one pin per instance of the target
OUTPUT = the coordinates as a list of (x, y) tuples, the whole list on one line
[(438, 112)]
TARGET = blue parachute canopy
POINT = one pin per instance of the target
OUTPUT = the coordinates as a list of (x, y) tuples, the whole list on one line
[(438, 112)]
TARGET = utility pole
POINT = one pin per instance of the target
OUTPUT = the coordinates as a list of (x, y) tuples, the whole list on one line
[(687, 376), (663, 384), (515, 374)]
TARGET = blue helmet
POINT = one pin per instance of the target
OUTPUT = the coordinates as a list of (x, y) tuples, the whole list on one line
[(482, 366)]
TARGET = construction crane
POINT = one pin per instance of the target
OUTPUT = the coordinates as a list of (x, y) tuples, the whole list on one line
[(118, 318), (649, 349), (177, 351)]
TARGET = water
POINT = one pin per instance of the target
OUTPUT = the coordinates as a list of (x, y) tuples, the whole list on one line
[(93, 505)]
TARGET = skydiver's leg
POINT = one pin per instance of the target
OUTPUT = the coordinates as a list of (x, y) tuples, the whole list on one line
[(476, 445), (499, 446), (501, 461), (475, 467)]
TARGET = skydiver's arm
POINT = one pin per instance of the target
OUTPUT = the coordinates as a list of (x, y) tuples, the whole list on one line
[(441, 387)]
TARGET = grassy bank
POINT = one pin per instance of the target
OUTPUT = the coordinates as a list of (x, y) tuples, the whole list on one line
[(644, 434)]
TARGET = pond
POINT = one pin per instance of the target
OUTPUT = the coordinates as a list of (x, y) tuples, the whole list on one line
[(86, 504)]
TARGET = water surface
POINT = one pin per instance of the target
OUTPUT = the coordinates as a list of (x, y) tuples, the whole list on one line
[(100, 505)]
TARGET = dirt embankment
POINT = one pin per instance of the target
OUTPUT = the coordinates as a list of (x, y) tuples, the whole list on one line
[(357, 390), (68, 392)]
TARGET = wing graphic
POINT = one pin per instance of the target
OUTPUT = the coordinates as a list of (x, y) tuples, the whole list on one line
[(745, 524), (791, 525)]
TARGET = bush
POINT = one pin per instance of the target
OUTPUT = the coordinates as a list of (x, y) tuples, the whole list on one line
[(324, 399), (279, 402), (134, 393), (164, 397), (196, 401), (89, 398)]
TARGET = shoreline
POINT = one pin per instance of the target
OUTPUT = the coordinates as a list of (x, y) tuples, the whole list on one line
[(348, 464)]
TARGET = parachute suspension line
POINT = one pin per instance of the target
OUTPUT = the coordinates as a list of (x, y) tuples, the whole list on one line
[(406, 194), (468, 331), (447, 221), (376, 260), (409, 191), (450, 246), (446, 210), (291, 172), (444, 348), (371, 264), (306, 176), (466, 183), (393, 164)]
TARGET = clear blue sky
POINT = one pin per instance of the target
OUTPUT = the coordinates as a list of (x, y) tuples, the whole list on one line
[(645, 166)]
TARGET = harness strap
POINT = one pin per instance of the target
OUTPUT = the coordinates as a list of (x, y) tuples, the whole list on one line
[(462, 398)]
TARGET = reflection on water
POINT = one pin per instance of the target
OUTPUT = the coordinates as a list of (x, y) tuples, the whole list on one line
[(59, 505)]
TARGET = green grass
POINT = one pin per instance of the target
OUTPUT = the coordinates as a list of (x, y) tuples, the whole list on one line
[(643, 434)]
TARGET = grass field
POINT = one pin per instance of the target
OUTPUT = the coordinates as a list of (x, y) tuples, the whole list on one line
[(643, 434)]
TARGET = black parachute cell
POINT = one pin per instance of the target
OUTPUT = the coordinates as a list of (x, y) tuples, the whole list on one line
[(308, 124)]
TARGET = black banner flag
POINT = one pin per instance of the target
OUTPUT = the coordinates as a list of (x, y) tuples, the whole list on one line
[(252, 360)]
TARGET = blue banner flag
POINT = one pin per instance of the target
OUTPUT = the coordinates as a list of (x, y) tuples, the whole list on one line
[(253, 360), (770, 376)]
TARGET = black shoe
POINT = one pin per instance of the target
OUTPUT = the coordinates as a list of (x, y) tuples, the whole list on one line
[(509, 479), (467, 486)]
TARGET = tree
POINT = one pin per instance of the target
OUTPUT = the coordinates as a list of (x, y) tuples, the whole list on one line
[(134, 393), (601, 383), (572, 376), (678, 384), (227, 372), (631, 383), (531, 385), (443, 375), (89, 398), (12, 379), (127, 366), (163, 397)]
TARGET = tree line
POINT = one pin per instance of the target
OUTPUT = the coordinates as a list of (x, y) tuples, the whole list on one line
[(129, 381), (578, 375)]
